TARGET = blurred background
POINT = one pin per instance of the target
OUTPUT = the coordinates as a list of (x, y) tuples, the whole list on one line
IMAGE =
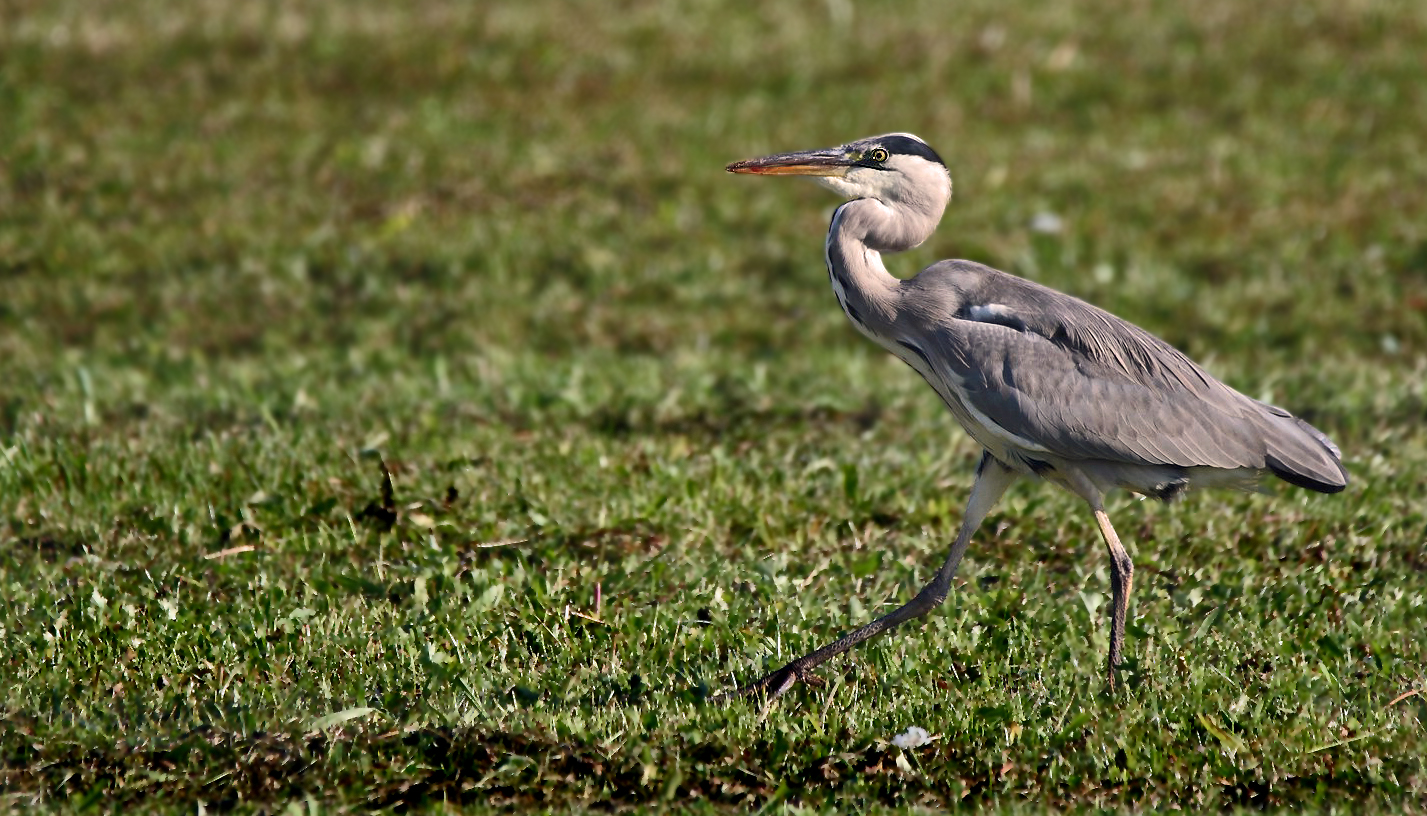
[(257, 190)]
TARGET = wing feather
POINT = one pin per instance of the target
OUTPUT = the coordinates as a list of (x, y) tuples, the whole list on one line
[(1060, 399), (1084, 384)]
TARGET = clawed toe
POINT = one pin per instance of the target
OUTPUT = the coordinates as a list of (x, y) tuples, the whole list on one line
[(773, 685)]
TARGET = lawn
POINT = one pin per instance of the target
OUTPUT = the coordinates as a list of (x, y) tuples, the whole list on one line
[(400, 408)]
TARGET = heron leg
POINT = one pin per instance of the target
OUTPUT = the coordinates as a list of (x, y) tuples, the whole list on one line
[(992, 479), (1122, 579)]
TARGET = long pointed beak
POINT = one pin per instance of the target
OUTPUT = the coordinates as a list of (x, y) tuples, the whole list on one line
[(830, 162)]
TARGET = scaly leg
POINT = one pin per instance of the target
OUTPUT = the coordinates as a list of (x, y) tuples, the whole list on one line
[(1122, 580), (992, 479)]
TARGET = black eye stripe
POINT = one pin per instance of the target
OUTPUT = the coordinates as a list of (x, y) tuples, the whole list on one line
[(873, 153), (904, 146)]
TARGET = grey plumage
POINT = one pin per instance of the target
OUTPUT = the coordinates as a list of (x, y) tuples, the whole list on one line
[(1052, 387), (1087, 385)]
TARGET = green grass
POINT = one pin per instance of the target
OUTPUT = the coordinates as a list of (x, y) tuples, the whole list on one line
[(400, 406)]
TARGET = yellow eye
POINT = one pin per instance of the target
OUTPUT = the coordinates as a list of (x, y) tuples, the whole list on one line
[(878, 155)]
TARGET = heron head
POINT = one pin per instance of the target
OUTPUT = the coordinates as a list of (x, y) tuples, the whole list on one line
[(895, 168)]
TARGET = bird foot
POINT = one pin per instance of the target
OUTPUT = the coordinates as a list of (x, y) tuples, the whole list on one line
[(1119, 676), (774, 684)]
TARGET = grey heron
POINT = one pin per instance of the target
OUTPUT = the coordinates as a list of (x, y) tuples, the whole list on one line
[(1050, 386)]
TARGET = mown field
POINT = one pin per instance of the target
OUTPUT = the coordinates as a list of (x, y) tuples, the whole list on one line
[(400, 408)]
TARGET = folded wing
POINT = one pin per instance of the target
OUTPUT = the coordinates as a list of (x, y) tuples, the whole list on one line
[(1083, 384)]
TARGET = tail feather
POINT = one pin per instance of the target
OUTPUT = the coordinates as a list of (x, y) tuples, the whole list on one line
[(1302, 455)]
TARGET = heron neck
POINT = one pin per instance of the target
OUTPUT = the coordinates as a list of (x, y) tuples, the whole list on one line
[(861, 231)]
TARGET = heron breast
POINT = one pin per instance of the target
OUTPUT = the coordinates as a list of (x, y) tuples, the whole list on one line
[(1006, 446)]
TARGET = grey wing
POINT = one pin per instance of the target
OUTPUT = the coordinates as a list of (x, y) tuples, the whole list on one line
[(1055, 371), (1119, 347), (1056, 398)]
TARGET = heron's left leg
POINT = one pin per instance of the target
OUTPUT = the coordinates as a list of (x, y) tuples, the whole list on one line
[(992, 479), (1122, 579)]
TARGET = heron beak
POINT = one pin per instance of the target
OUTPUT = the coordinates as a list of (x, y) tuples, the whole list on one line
[(804, 163)]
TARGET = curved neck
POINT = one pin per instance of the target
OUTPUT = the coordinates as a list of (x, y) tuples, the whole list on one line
[(861, 231)]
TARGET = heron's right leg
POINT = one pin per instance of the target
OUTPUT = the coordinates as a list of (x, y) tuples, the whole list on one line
[(992, 479), (1122, 580)]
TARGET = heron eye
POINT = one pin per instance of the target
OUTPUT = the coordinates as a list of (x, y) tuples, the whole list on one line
[(878, 155)]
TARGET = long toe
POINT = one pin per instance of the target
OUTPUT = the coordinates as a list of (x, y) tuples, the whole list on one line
[(778, 683), (772, 685)]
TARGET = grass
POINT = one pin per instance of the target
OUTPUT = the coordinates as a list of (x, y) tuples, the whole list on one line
[(399, 406)]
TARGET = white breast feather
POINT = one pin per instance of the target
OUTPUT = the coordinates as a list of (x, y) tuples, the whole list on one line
[(952, 390)]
